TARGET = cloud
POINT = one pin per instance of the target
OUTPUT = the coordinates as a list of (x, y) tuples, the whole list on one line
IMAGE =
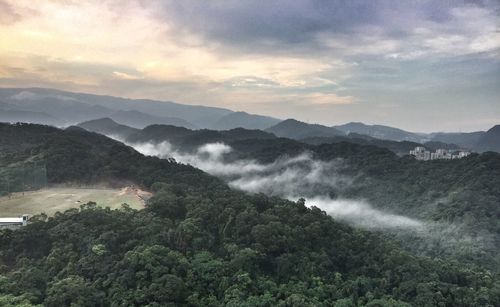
[(250, 82), (340, 28), (362, 214), (7, 13), (318, 182), (263, 25), (306, 59), (288, 177), (125, 76), (328, 99)]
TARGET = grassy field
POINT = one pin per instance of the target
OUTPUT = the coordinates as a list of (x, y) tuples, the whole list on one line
[(51, 200)]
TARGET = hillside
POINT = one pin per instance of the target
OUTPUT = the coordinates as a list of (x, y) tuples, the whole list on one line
[(460, 194), (297, 130), (465, 140), (182, 137), (466, 199), (401, 148), (200, 243), (380, 132), (75, 155), (244, 120), (140, 120), (107, 126), (490, 141)]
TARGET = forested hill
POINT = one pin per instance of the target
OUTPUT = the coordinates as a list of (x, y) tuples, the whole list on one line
[(188, 139), (75, 155), (200, 244), (462, 195), (458, 194)]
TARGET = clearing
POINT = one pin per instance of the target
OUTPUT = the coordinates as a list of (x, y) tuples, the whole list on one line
[(51, 200)]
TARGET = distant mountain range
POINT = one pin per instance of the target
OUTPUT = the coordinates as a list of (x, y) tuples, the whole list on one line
[(61, 108), (188, 139), (356, 132)]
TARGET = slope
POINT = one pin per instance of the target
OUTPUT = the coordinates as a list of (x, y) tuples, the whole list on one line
[(490, 141), (380, 132), (244, 120), (297, 130), (199, 243), (107, 126), (140, 120)]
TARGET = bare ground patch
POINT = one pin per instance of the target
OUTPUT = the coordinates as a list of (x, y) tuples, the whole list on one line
[(51, 200)]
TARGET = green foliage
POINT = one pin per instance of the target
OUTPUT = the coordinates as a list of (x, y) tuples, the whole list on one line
[(291, 256), (458, 198), (199, 243)]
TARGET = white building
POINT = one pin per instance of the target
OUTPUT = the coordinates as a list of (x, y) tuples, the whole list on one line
[(14, 222), (441, 154), (420, 153), (463, 154)]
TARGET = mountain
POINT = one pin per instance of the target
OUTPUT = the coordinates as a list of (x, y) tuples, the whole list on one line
[(78, 107), (297, 130), (380, 132), (108, 127), (200, 243), (490, 141), (465, 140), (140, 120), (61, 108), (188, 140), (479, 141), (401, 148), (184, 138), (244, 120), (64, 109), (14, 116)]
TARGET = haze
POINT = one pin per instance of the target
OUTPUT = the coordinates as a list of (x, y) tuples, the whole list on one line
[(419, 65)]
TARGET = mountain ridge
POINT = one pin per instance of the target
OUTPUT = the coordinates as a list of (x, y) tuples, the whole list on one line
[(62, 108), (295, 129)]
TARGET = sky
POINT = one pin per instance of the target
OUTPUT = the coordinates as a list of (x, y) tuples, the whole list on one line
[(418, 65)]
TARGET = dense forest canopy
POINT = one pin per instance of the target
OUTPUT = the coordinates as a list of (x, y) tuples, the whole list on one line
[(199, 243), (459, 198)]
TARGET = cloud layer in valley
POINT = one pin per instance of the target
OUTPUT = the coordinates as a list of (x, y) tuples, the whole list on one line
[(288, 177)]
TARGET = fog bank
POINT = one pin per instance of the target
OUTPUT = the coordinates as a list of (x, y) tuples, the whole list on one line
[(287, 177)]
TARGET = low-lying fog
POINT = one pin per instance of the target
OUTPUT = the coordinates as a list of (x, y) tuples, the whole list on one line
[(318, 182), (288, 177)]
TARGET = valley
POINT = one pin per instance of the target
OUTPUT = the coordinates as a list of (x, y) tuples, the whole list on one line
[(242, 211), (306, 153)]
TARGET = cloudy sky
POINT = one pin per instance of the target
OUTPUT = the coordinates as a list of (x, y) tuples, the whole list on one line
[(419, 65)]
